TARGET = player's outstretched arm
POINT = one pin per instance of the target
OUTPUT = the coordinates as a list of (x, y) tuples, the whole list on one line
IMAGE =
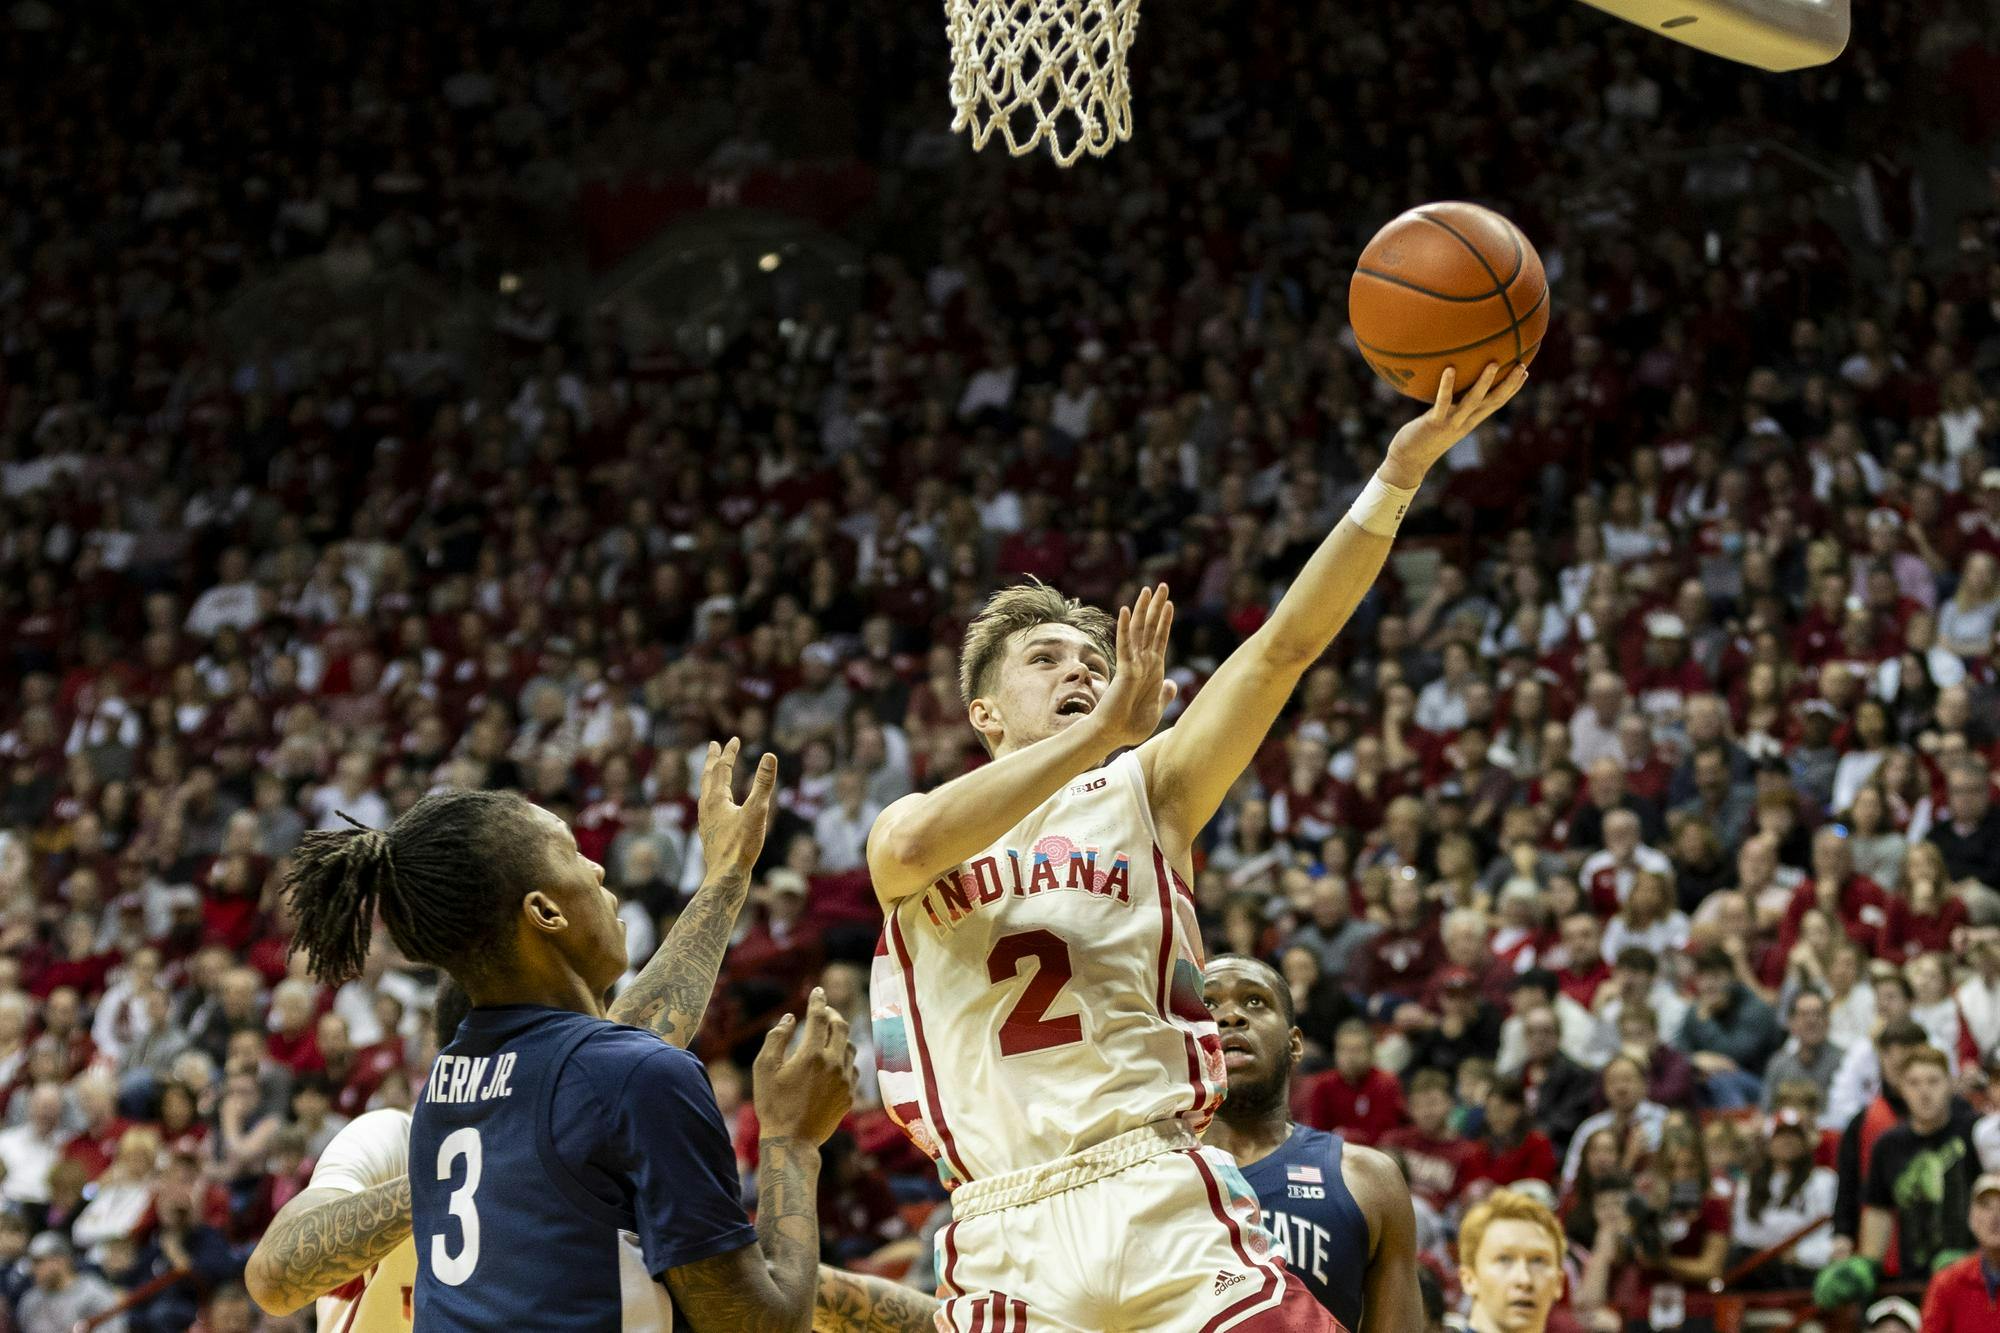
[(857, 1303), (923, 835), (801, 1099), (323, 1238), (672, 991), (1392, 1301), (1191, 767)]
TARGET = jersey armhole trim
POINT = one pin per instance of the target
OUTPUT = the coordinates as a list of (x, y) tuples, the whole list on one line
[(552, 1166)]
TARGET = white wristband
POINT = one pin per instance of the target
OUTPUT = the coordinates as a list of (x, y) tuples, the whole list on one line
[(1380, 507)]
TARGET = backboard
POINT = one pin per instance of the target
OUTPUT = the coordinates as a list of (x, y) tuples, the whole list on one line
[(1776, 35)]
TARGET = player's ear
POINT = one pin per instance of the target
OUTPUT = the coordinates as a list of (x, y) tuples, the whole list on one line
[(543, 913), (1298, 1045), (985, 719)]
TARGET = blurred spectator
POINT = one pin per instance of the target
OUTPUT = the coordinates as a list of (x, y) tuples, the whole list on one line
[(1729, 1034), (1355, 1099), (1783, 1194), (61, 1297)]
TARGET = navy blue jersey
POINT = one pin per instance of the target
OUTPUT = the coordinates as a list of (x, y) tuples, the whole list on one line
[(539, 1136), (1316, 1222)]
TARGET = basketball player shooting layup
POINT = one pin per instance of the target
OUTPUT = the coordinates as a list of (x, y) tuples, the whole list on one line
[(1038, 994), (1340, 1213)]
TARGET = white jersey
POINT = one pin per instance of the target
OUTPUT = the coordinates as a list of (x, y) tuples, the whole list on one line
[(1045, 995), (373, 1150)]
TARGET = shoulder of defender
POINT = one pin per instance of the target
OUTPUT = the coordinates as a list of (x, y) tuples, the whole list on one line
[(1374, 1179)]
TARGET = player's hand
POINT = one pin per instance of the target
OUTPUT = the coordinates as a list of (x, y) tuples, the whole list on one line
[(1430, 437), (1139, 692), (807, 1092), (732, 835)]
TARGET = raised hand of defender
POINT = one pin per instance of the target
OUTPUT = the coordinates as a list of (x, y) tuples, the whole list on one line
[(807, 1092), (732, 835), (1430, 437), (1139, 692)]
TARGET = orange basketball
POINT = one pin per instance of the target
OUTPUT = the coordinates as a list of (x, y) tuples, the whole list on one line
[(1447, 284)]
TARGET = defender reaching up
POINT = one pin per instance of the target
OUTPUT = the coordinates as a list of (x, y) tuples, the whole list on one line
[(1038, 995)]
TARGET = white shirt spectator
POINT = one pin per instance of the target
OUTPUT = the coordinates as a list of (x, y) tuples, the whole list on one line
[(1668, 935), (1855, 1084), (1782, 1219), (1979, 1007), (1592, 738), (992, 387), (1650, 1117), (843, 837), (330, 802), (27, 1154), (232, 604), (1604, 864), (1071, 413), (1441, 707), (1578, 1041), (1851, 1020)]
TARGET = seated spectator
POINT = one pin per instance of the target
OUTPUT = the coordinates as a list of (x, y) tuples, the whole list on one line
[(1728, 1034), (62, 1297), (1670, 1076), (1535, 990), (1465, 1026), (1584, 968), (1402, 958), (124, 1196), (1934, 1006), (1608, 876), (181, 1242), (30, 1150), (1969, 833), (1851, 1018), (1559, 1090), (1320, 1002), (1437, 1161), (1927, 919), (1635, 1123), (1783, 1194), (1648, 920), (1879, 850), (1636, 982), (1334, 933), (1677, 1235), (1511, 1148), (1807, 1054), (1355, 1099)]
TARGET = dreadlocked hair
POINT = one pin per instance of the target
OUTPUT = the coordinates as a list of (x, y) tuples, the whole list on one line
[(442, 877)]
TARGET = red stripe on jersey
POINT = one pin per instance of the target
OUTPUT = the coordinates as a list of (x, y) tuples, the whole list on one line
[(979, 1318), (1020, 1316), (1160, 873), (999, 1313), (1273, 1283), (945, 1143), (951, 1259)]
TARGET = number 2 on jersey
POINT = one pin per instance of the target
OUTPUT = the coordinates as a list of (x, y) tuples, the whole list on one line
[(1027, 1027), (454, 1269)]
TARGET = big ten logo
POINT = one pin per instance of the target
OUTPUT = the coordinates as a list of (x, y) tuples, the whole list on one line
[(1305, 1191), (1086, 788)]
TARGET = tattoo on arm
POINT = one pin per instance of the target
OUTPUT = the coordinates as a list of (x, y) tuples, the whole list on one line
[(671, 993), (768, 1289), (856, 1303), (307, 1255)]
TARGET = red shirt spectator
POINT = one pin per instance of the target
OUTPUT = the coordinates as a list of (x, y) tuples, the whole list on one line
[(1354, 1099), (1438, 1162)]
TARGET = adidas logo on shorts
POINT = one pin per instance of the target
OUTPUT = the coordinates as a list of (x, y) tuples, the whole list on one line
[(1226, 1279)]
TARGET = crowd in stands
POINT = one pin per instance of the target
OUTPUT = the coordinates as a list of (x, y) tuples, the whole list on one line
[(1644, 842)]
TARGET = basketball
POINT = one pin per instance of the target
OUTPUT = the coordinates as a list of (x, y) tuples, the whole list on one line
[(1448, 284)]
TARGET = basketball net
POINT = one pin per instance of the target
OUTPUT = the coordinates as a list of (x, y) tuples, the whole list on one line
[(1042, 71)]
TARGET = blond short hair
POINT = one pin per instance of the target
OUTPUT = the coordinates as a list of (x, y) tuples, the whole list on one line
[(1022, 607), (1505, 1206)]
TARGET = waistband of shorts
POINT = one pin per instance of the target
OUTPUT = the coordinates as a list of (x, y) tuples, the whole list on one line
[(1127, 1150)]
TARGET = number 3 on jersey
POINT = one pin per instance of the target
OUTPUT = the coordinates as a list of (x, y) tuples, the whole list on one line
[(454, 1269), (1027, 1027)]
